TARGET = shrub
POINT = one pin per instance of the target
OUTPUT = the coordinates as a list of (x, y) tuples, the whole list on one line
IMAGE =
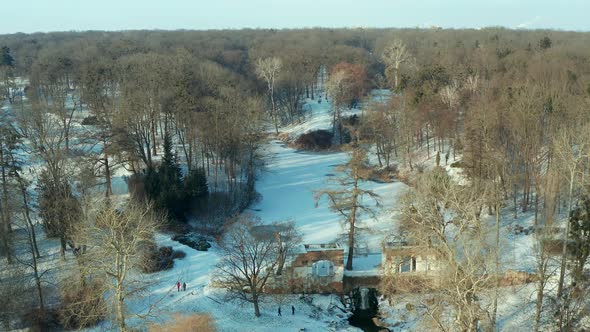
[(315, 140), (348, 123), (457, 164), (400, 284), (82, 305), (43, 320), (384, 175), (90, 121), (193, 240), (192, 323), (420, 168), (157, 259), (165, 251), (178, 254)]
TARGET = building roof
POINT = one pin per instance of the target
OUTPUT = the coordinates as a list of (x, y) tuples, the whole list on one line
[(322, 247)]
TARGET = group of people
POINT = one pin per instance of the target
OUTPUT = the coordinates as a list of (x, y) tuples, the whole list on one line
[(292, 310), (178, 285)]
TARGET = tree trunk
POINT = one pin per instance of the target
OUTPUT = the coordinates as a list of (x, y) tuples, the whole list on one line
[(62, 248), (107, 175), (565, 238), (28, 218), (564, 250), (497, 258), (274, 111), (427, 142), (540, 289), (255, 301), (66, 135), (281, 255), (153, 132), (120, 310), (6, 240), (120, 298), (352, 225), (396, 79), (37, 276)]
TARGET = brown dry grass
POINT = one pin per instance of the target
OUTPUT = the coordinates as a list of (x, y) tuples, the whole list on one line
[(192, 323)]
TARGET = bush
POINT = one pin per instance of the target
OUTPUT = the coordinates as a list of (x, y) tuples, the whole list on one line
[(90, 121), (82, 305), (178, 254), (348, 123), (457, 164), (192, 323), (193, 240), (384, 175), (43, 320), (165, 251), (315, 140), (157, 259)]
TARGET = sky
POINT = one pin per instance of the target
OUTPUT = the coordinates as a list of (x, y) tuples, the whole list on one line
[(67, 15)]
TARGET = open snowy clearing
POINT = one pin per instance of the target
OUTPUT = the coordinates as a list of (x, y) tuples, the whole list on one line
[(288, 193)]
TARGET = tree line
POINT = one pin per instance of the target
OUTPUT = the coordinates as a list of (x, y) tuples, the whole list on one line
[(184, 113)]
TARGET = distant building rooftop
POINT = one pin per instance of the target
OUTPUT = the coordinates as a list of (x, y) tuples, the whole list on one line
[(322, 247)]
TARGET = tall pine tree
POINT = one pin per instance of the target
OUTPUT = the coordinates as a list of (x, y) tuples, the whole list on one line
[(170, 178)]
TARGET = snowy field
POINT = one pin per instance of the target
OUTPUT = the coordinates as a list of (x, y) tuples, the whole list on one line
[(288, 193), (287, 190)]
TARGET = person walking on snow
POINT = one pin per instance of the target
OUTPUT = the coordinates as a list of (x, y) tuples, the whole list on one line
[(178, 285), (280, 311), (184, 286), (292, 310)]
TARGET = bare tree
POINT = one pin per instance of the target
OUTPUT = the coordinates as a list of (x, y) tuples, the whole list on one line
[(116, 239), (247, 261), (268, 69), (13, 295), (46, 138), (6, 235), (571, 156), (348, 199), (444, 216), (395, 55), (288, 238), (338, 88)]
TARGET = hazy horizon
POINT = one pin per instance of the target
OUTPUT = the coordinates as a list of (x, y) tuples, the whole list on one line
[(110, 15)]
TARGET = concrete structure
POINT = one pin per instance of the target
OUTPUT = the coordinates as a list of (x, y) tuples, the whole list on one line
[(401, 256)]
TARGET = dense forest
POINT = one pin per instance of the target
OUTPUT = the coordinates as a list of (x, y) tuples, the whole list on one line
[(184, 115)]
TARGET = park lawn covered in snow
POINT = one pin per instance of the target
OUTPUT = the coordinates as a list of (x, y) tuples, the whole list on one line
[(287, 189), (288, 192), (197, 269)]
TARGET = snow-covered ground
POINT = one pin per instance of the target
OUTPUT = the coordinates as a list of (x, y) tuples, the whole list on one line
[(312, 313), (287, 191)]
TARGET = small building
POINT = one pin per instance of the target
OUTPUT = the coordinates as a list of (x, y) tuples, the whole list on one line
[(315, 268), (402, 256)]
